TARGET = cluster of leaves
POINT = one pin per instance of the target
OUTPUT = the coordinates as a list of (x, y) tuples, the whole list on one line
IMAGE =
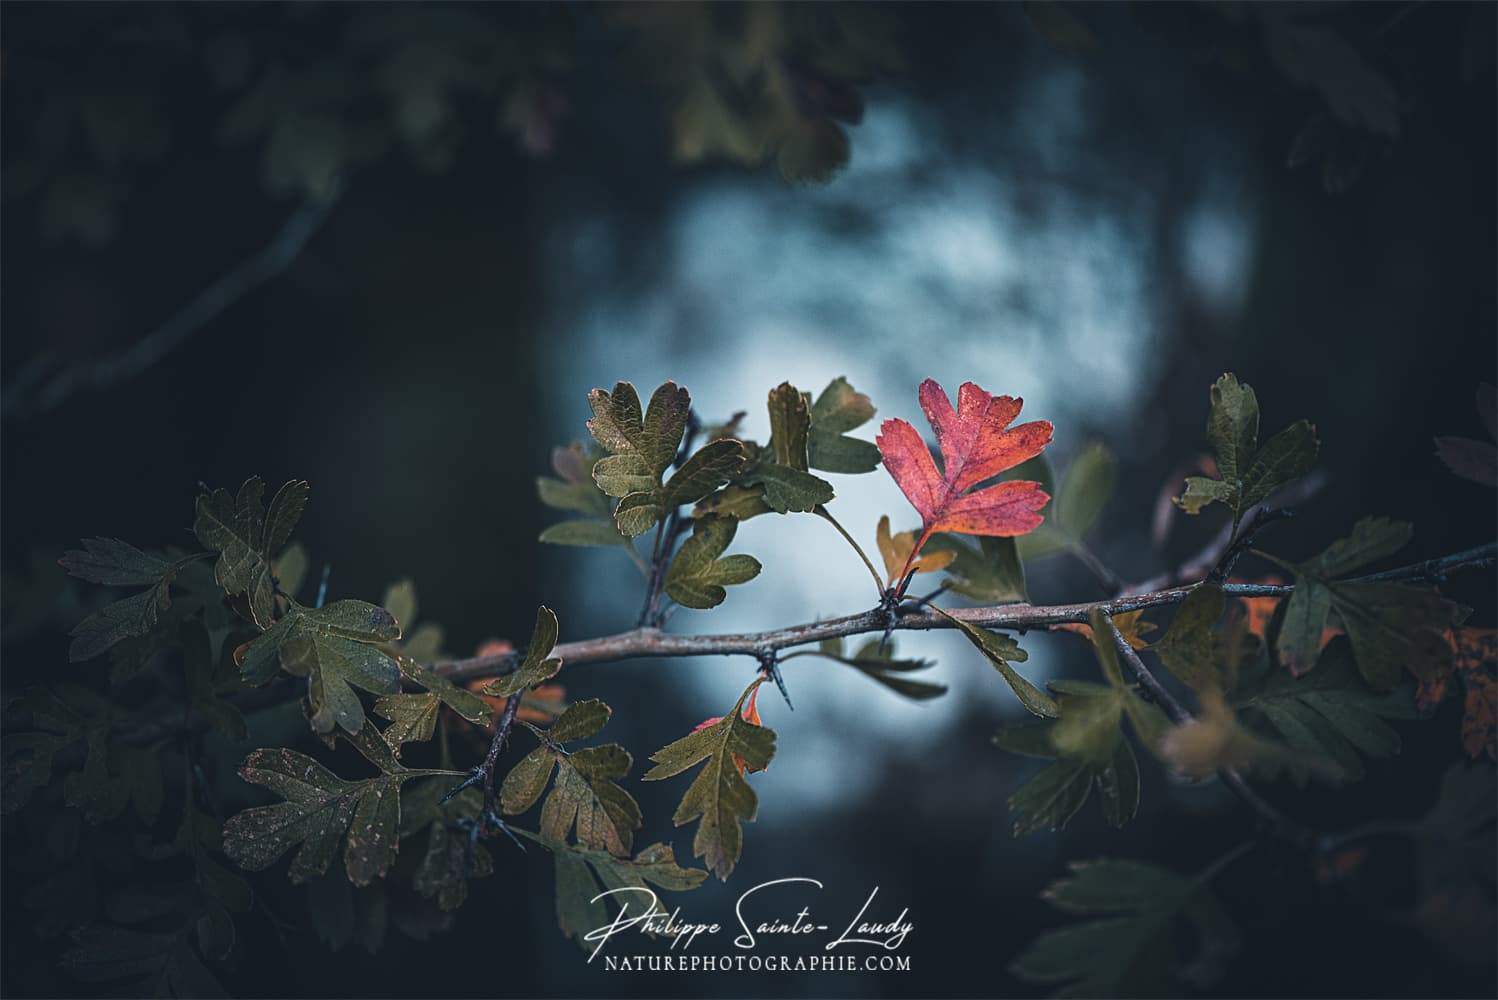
[(1301, 681)]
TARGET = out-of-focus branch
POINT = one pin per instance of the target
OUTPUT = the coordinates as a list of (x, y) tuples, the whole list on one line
[(38, 388)]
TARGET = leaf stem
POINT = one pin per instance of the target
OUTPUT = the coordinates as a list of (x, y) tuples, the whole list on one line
[(826, 515), (1109, 580)]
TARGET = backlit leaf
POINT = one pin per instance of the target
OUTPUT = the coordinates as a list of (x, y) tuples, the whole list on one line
[(719, 797), (896, 551), (977, 444)]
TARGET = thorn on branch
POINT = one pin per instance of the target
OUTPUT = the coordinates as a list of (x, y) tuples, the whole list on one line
[(769, 665)]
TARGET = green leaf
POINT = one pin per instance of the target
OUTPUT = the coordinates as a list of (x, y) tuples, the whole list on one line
[(585, 794), (782, 467), (337, 648), (711, 466), (991, 575), (641, 448), (1372, 539), (447, 858), (321, 813), (1076, 503), (467, 704), (1084, 491), (738, 502), (790, 426), (1000, 650), (536, 667), (697, 575), (580, 532), (881, 666), (1188, 648), (1132, 949), (1393, 628), (1233, 427), (1118, 784), (582, 875), (290, 569), (581, 720), (115, 563), (1087, 725), (1330, 713), (245, 534), (788, 490), (836, 411), (1299, 640), (1050, 799), (413, 718), (1246, 473), (719, 796), (1284, 458)]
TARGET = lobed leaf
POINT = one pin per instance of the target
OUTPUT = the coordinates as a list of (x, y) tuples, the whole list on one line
[(536, 667), (698, 575), (719, 797), (244, 534), (837, 410)]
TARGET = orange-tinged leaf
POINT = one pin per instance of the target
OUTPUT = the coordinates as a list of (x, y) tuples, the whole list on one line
[(1131, 626), (897, 550), (1475, 661), (750, 715), (976, 444), (547, 694), (1259, 610), (1480, 720)]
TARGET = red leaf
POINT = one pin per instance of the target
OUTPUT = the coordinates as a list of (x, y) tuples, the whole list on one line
[(977, 444)]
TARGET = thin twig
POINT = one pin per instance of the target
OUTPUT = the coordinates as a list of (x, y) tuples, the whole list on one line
[(33, 393), (1262, 517)]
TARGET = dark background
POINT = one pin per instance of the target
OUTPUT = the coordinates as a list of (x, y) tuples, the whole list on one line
[(407, 363)]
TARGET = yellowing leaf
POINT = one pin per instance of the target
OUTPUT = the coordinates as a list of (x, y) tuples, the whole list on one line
[(896, 551)]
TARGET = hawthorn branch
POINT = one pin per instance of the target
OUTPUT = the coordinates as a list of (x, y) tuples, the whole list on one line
[(649, 641)]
